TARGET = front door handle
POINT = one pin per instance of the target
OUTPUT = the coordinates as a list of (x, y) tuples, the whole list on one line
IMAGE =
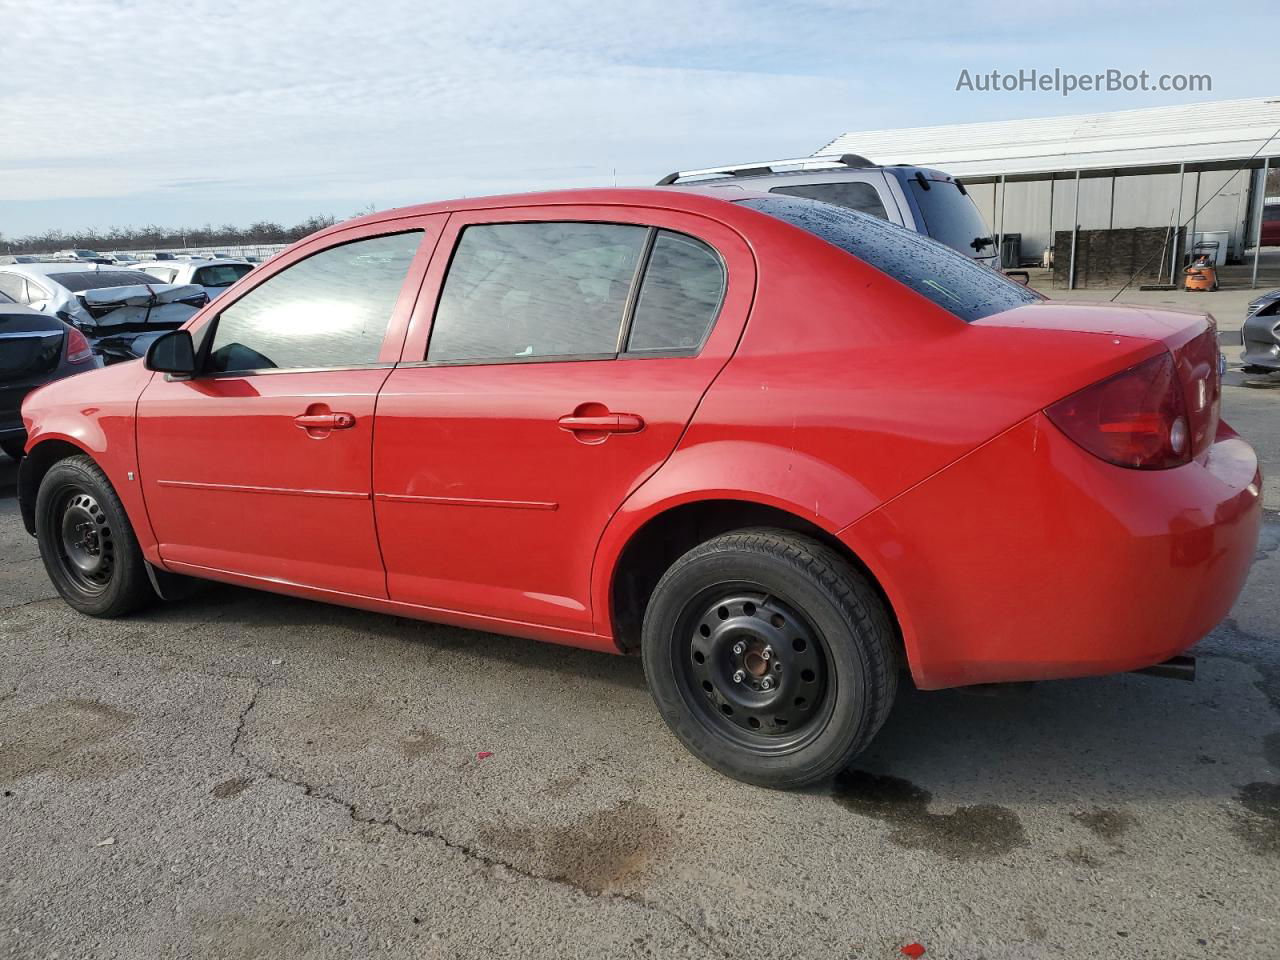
[(325, 421), (604, 423)]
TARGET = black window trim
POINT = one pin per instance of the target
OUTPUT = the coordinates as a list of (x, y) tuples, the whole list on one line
[(628, 310), (206, 345)]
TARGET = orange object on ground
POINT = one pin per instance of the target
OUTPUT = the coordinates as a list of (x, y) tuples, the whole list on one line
[(1201, 275)]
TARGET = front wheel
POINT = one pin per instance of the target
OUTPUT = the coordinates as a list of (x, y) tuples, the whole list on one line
[(86, 542), (770, 656)]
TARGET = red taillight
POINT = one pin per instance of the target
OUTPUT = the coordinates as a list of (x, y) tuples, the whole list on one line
[(1136, 418), (78, 349)]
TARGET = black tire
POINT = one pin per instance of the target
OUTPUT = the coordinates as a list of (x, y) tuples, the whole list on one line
[(13, 449), (86, 542), (821, 630)]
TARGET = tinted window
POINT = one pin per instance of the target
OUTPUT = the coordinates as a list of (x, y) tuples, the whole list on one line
[(1271, 212), (679, 296), (852, 194), (951, 218), (329, 310), (98, 279), (220, 276), (518, 291), (950, 279)]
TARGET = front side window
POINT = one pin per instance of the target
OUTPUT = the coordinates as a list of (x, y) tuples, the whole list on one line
[(329, 310), (525, 291), (851, 194), (679, 296)]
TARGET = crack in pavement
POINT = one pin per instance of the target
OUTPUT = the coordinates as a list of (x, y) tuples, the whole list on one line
[(27, 603), (467, 851)]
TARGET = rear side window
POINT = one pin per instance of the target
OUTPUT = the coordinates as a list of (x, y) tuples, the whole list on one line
[(950, 279), (329, 310), (850, 194), (527, 291), (679, 296), (14, 287), (950, 217)]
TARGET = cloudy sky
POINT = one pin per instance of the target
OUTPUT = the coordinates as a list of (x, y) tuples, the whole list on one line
[(185, 112)]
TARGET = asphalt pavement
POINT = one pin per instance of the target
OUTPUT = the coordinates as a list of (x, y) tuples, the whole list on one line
[(242, 775)]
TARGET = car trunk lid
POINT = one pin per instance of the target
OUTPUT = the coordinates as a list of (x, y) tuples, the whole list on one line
[(1190, 337)]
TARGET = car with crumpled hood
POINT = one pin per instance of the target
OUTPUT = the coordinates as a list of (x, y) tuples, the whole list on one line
[(119, 311)]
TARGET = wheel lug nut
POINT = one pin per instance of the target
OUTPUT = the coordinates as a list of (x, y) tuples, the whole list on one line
[(739, 676), (767, 683), (739, 648), (768, 653)]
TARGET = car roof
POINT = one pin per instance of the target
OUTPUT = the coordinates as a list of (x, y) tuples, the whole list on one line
[(709, 202), (63, 266)]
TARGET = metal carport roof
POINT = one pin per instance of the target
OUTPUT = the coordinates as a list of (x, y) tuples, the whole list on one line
[(1156, 137)]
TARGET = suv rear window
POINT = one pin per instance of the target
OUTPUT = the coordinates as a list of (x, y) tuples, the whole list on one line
[(951, 218), (950, 279), (851, 194)]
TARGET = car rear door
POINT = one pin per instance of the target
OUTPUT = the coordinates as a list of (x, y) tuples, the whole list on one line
[(555, 359), (259, 465)]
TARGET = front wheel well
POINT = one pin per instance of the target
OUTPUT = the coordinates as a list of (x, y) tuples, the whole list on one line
[(32, 470), (666, 537)]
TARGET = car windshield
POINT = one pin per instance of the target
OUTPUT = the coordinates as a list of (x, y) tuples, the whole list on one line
[(951, 218), (951, 280)]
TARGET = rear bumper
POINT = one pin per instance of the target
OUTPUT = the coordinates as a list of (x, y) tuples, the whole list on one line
[(1030, 559)]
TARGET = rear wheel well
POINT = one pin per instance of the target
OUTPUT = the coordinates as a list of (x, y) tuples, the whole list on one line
[(671, 534), (34, 466)]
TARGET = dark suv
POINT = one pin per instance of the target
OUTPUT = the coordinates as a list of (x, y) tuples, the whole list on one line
[(926, 201)]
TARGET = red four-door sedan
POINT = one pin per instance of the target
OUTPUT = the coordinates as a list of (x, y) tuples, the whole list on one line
[(780, 448)]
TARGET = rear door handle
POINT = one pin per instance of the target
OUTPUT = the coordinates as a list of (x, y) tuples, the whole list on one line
[(605, 423), (325, 421)]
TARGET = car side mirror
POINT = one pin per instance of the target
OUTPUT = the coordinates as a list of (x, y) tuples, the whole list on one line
[(173, 353)]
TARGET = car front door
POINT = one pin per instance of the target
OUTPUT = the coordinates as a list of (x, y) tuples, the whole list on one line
[(259, 465), (551, 367)]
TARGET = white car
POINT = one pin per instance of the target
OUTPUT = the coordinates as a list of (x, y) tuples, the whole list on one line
[(120, 310), (214, 275)]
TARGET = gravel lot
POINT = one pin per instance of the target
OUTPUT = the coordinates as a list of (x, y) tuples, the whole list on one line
[(248, 776)]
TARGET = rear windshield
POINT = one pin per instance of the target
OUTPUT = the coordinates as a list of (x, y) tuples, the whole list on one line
[(951, 218), (97, 279), (950, 279)]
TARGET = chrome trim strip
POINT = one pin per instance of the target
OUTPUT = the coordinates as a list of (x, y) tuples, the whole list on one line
[(468, 502), (245, 488)]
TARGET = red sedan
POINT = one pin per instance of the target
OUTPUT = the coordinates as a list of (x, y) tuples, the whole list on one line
[(779, 448)]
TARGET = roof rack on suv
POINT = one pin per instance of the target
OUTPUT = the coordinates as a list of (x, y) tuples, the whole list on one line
[(756, 169)]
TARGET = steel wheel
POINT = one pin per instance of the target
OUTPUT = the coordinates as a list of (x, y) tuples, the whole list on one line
[(753, 668), (85, 547)]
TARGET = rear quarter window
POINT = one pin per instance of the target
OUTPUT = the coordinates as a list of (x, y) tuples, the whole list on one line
[(935, 271)]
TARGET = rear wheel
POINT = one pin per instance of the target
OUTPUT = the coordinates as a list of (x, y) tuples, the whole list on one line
[(86, 542), (770, 657)]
